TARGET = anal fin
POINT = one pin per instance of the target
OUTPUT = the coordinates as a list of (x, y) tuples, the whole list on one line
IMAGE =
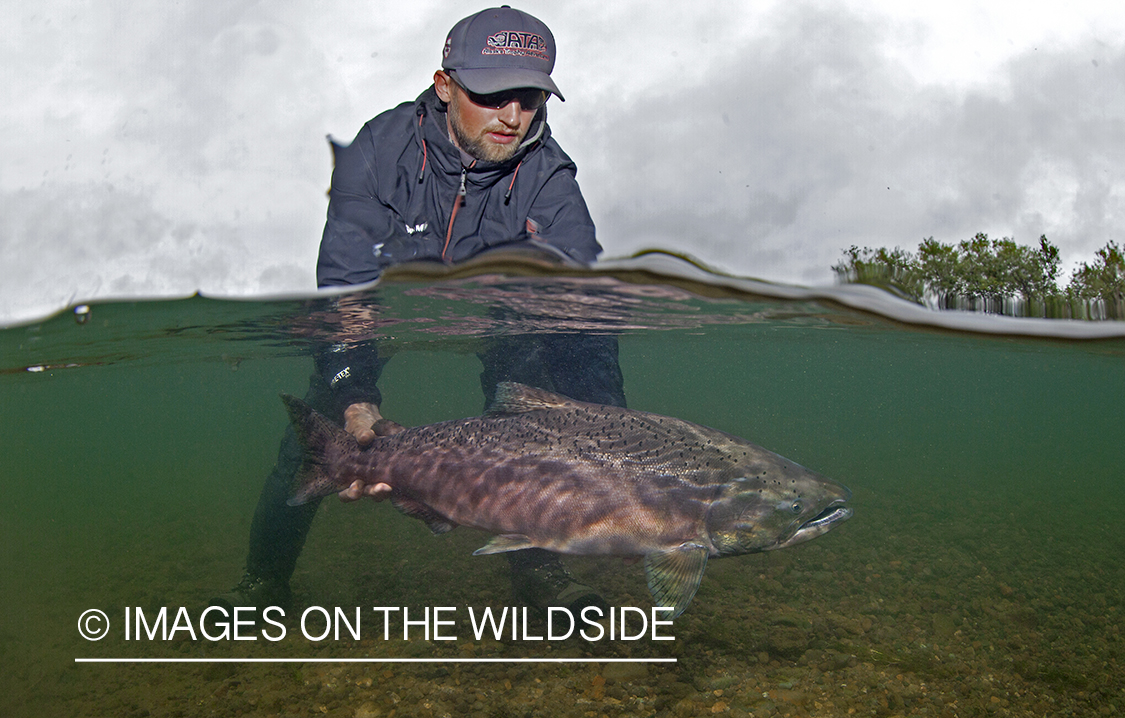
[(674, 575)]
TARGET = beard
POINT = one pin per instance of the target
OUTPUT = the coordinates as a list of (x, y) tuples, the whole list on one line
[(480, 147)]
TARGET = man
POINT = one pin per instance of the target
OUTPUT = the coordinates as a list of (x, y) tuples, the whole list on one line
[(469, 166)]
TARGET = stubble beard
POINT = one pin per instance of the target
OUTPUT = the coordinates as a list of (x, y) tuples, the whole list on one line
[(479, 147)]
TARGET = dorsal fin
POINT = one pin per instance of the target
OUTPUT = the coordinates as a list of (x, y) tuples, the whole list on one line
[(514, 398)]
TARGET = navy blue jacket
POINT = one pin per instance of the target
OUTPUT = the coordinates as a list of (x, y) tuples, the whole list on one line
[(394, 189)]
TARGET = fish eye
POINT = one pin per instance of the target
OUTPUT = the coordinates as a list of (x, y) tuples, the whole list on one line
[(797, 507)]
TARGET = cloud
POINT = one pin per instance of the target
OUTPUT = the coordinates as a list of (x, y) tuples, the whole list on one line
[(69, 242), (809, 138), (163, 149), (191, 155)]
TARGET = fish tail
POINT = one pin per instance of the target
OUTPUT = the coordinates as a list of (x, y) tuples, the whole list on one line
[(324, 443)]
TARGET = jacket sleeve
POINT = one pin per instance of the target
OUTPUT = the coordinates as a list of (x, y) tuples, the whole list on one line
[(351, 374), (559, 218), (358, 223)]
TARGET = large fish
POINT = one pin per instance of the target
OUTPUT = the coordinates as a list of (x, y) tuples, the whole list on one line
[(540, 470)]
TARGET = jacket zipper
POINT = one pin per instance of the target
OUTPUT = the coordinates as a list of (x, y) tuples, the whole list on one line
[(457, 202)]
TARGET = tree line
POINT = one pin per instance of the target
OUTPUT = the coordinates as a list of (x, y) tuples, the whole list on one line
[(993, 275)]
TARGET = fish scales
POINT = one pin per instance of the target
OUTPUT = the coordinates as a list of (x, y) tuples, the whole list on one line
[(554, 496), (540, 470)]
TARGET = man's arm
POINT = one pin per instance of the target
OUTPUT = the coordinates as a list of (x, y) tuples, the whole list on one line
[(359, 224), (559, 218), (348, 255)]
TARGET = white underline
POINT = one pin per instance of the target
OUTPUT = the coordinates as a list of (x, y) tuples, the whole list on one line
[(375, 660)]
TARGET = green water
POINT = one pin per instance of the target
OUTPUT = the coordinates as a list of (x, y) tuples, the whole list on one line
[(983, 572)]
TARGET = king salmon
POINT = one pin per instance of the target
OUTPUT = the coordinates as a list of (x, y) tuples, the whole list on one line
[(541, 470)]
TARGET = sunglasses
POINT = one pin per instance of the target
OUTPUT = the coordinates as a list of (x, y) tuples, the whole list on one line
[(530, 98)]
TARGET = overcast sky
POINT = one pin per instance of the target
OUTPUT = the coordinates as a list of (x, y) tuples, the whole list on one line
[(153, 149)]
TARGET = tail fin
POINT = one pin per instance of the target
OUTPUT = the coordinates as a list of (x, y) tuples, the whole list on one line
[(324, 443)]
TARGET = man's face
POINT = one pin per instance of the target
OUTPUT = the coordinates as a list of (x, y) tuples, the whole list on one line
[(486, 133)]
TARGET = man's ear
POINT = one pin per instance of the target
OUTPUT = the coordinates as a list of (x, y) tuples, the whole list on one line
[(443, 85)]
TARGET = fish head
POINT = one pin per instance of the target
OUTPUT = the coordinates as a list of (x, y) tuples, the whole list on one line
[(775, 509)]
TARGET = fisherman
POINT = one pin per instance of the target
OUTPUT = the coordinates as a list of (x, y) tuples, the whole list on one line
[(467, 167)]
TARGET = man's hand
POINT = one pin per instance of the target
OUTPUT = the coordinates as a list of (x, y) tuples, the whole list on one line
[(359, 420), (364, 422), (358, 490)]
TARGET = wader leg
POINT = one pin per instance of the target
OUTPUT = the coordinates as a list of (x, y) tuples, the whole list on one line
[(278, 531), (580, 366)]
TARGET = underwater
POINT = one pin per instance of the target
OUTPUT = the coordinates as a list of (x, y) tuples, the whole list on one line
[(982, 573)]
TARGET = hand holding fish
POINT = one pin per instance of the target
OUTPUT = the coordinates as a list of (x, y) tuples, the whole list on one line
[(359, 420), (364, 422), (358, 490)]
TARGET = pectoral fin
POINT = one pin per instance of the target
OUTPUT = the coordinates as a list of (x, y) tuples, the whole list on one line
[(674, 575), (504, 543)]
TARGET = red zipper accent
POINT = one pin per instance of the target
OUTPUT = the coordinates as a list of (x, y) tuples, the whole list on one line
[(425, 149), (508, 194)]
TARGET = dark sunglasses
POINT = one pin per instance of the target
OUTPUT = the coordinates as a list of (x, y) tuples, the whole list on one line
[(530, 98)]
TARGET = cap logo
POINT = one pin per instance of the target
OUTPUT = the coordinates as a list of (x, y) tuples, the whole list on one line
[(511, 42), (448, 47)]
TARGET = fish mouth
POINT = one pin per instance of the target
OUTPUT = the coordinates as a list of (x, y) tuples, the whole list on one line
[(836, 512), (832, 514)]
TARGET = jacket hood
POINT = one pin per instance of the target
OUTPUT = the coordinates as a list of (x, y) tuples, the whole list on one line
[(432, 132)]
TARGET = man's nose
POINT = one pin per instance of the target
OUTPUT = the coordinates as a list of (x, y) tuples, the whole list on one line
[(510, 113)]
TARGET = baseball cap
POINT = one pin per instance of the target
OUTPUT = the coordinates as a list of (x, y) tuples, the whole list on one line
[(501, 49)]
